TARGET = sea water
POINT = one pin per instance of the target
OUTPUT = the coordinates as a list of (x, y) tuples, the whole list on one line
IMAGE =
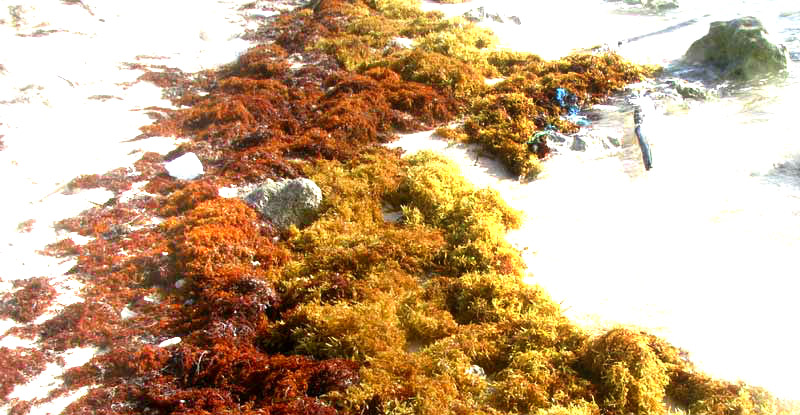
[(703, 249)]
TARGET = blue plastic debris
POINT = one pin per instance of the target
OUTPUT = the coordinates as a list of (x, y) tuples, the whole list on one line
[(537, 144), (579, 120), (567, 100)]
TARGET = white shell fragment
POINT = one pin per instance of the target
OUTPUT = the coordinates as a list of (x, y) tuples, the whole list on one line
[(185, 167), (170, 342)]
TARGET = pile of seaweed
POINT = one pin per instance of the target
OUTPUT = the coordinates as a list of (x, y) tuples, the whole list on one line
[(201, 306)]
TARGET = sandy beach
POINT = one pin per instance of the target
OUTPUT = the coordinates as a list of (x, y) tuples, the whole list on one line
[(70, 105)]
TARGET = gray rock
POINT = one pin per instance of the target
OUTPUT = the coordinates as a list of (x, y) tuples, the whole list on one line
[(661, 4), (739, 49), (656, 5), (578, 144), (288, 202), (475, 15), (480, 14), (689, 90)]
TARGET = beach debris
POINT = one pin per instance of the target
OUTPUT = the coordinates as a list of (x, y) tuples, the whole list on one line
[(569, 101), (170, 342), (185, 167), (127, 313), (739, 49), (287, 202), (538, 143), (638, 120)]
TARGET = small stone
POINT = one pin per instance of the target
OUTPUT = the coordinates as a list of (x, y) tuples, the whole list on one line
[(403, 42), (288, 202), (127, 313), (170, 342), (689, 91), (477, 371), (578, 144), (656, 5), (185, 167)]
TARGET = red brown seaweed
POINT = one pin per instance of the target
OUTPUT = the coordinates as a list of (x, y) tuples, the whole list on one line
[(32, 297)]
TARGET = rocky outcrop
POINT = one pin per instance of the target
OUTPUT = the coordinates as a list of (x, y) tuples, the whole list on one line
[(739, 49), (287, 202)]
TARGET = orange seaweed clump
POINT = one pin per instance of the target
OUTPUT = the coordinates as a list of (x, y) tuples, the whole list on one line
[(117, 181), (264, 117), (27, 303), (505, 119), (62, 248), (350, 253), (475, 221), (81, 324), (226, 255), (225, 377), (446, 73), (17, 366), (187, 197), (632, 376), (108, 220), (503, 124)]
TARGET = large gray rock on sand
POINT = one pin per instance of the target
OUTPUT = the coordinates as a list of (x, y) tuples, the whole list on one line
[(739, 49), (288, 202)]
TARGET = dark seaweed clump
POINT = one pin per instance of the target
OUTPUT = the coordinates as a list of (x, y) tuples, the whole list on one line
[(352, 314)]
